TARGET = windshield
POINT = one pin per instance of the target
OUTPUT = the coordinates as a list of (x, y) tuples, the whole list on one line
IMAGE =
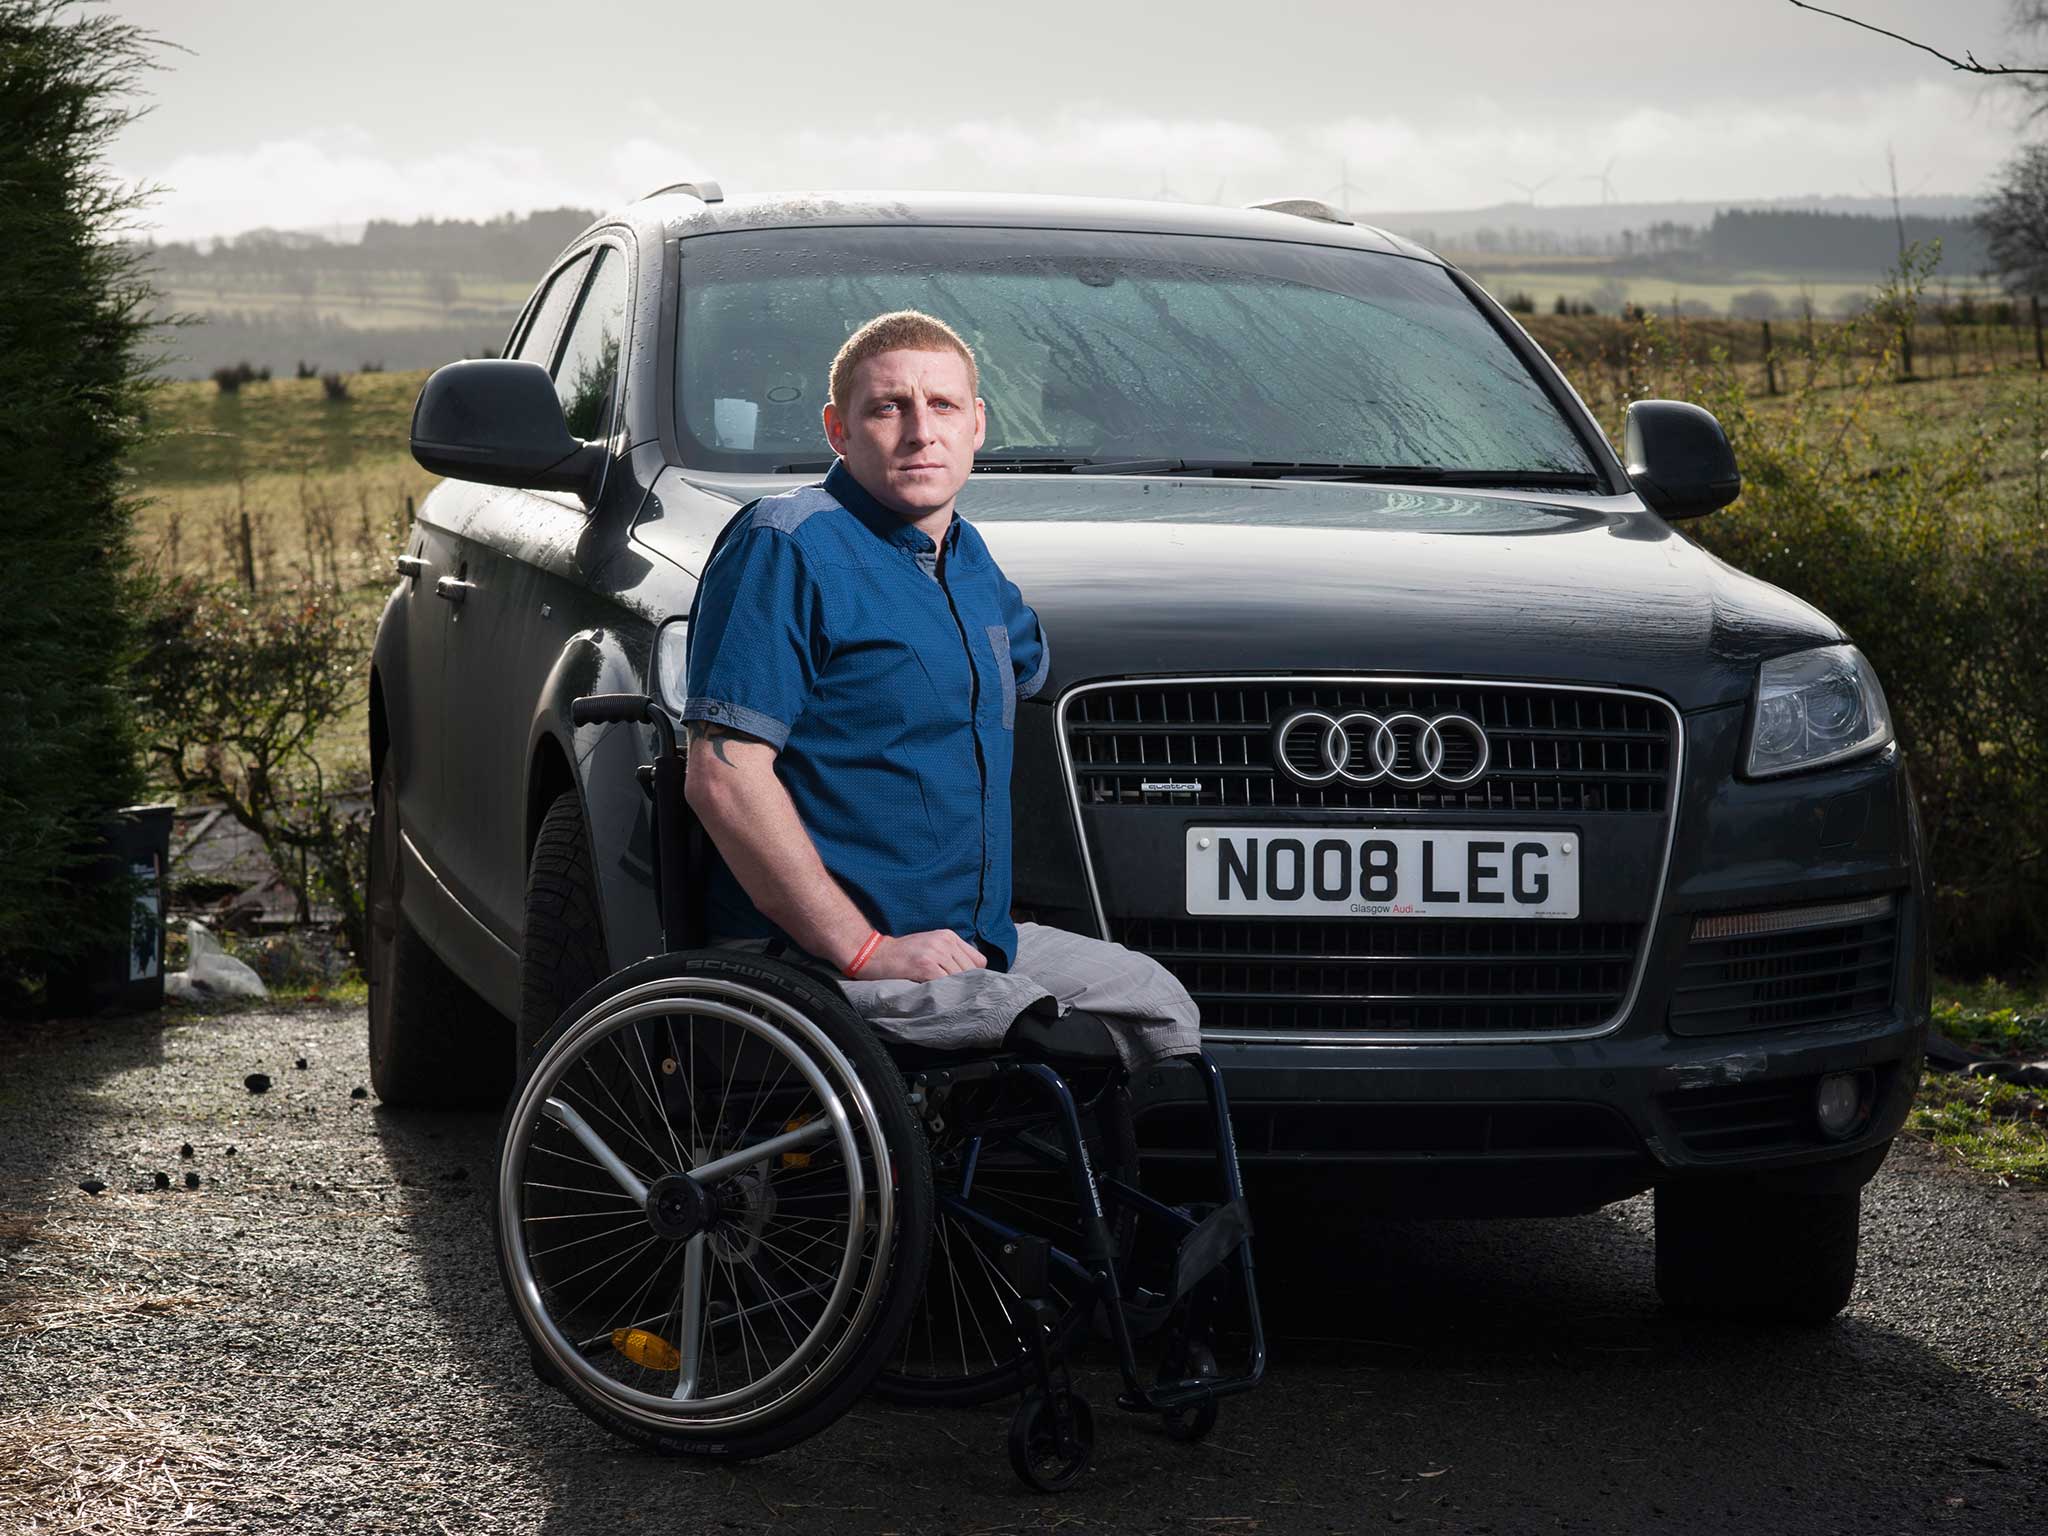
[(1108, 347)]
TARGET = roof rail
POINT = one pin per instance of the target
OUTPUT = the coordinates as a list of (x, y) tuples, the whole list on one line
[(703, 191), (1306, 208)]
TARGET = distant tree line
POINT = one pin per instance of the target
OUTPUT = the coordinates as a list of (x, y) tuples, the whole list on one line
[(512, 247), (1774, 239), (1838, 242)]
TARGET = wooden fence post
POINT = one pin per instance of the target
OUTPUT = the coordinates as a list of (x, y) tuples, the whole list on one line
[(1770, 363), (2040, 350)]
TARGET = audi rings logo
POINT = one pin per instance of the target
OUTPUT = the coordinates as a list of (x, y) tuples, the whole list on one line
[(1361, 748)]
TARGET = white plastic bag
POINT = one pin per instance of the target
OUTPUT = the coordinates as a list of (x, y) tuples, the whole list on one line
[(211, 971)]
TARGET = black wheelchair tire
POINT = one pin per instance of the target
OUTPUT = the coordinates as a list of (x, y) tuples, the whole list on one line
[(910, 1168)]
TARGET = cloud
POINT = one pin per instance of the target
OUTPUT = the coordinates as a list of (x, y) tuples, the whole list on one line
[(1466, 154), (338, 178)]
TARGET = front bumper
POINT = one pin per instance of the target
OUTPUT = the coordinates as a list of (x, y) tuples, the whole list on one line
[(1558, 1125)]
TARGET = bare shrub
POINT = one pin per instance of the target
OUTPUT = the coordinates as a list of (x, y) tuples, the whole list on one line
[(335, 385), (319, 527), (235, 692)]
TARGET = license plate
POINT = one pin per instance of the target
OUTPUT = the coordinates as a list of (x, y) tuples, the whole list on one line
[(1374, 872)]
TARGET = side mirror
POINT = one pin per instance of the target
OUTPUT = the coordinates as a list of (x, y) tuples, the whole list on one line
[(1678, 458), (498, 421)]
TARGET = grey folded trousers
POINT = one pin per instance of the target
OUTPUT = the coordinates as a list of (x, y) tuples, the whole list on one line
[(1147, 1010)]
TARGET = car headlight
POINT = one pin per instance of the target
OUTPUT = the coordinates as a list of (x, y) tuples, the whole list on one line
[(1815, 707), (671, 664)]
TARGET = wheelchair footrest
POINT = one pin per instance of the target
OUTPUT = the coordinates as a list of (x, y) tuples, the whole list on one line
[(1215, 1240)]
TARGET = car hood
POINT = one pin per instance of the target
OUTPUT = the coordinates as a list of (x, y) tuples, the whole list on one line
[(1132, 578), (1143, 577)]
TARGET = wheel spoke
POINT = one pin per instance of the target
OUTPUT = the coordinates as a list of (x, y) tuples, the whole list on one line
[(691, 1321), (653, 1092), (789, 1141), (578, 1127)]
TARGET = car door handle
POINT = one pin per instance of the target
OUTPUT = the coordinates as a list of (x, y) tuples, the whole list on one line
[(411, 565), (454, 589)]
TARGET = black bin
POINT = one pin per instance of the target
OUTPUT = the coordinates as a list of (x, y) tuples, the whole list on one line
[(137, 840)]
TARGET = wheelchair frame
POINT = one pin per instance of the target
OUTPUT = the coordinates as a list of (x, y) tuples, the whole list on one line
[(1051, 1435)]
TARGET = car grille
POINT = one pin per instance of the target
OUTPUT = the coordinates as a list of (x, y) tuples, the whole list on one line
[(1551, 749), (1795, 966), (1436, 976)]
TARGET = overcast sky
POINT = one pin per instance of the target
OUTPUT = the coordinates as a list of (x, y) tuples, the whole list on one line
[(296, 115)]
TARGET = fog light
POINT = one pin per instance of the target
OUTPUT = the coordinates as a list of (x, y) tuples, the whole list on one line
[(1841, 1102)]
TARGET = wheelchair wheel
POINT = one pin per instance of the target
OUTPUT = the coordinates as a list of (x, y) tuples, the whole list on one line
[(1052, 1439), (960, 1348), (713, 1204)]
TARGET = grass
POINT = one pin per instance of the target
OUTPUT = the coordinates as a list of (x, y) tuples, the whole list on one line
[(1600, 281), (325, 488), (1995, 1128), (200, 436), (2002, 1017)]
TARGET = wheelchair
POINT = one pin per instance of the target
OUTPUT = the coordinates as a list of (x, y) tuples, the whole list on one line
[(725, 1207)]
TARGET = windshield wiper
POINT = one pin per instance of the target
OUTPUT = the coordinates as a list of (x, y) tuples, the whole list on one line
[(1399, 474)]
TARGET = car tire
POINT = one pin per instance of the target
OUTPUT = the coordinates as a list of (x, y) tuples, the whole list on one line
[(1757, 1255), (563, 954), (434, 1044)]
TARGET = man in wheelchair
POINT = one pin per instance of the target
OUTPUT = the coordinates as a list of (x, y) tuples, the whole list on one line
[(723, 1212), (856, 658)]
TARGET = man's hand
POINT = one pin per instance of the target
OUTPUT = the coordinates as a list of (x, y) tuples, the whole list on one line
[(922, 957)]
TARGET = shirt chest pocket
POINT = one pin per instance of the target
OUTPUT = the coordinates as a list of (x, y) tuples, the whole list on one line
[(999, 642)]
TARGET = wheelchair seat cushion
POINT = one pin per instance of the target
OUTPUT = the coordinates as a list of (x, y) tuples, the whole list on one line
[(1128, 998), (1075, 1035)]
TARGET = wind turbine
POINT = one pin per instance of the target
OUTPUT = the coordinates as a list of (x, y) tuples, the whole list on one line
[(1344, 187), (1526, 189), (1605, 177)]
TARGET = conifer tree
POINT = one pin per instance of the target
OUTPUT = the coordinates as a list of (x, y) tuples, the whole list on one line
[(73, 376)]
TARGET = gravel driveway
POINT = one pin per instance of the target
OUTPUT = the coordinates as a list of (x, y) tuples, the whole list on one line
[(314, 1339)]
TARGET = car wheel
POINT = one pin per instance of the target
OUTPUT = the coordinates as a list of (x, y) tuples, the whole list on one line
[(434, 1044), (562, 955), (1758, 1255)]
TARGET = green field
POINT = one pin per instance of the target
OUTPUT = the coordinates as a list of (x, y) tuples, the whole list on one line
[(308, 469), (324, 483), (1606, 285), (367, 301)]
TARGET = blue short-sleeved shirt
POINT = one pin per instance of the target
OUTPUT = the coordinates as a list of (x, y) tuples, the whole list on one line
[(887, 680)]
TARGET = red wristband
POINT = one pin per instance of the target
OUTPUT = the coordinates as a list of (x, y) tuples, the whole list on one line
[(865, 953)]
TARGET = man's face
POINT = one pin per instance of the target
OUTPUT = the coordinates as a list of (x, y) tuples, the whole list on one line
[(908, 429)]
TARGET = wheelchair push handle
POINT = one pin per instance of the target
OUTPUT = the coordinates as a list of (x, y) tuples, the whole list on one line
[(624, 709)]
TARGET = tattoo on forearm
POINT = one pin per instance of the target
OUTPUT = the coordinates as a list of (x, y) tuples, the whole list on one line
[(718, 735)]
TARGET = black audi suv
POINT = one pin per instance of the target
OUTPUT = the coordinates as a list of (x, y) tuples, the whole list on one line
[(1521, 855)]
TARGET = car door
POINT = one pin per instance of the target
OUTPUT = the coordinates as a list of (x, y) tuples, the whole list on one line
[(416, 697), (470, 584), (524, 552)]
